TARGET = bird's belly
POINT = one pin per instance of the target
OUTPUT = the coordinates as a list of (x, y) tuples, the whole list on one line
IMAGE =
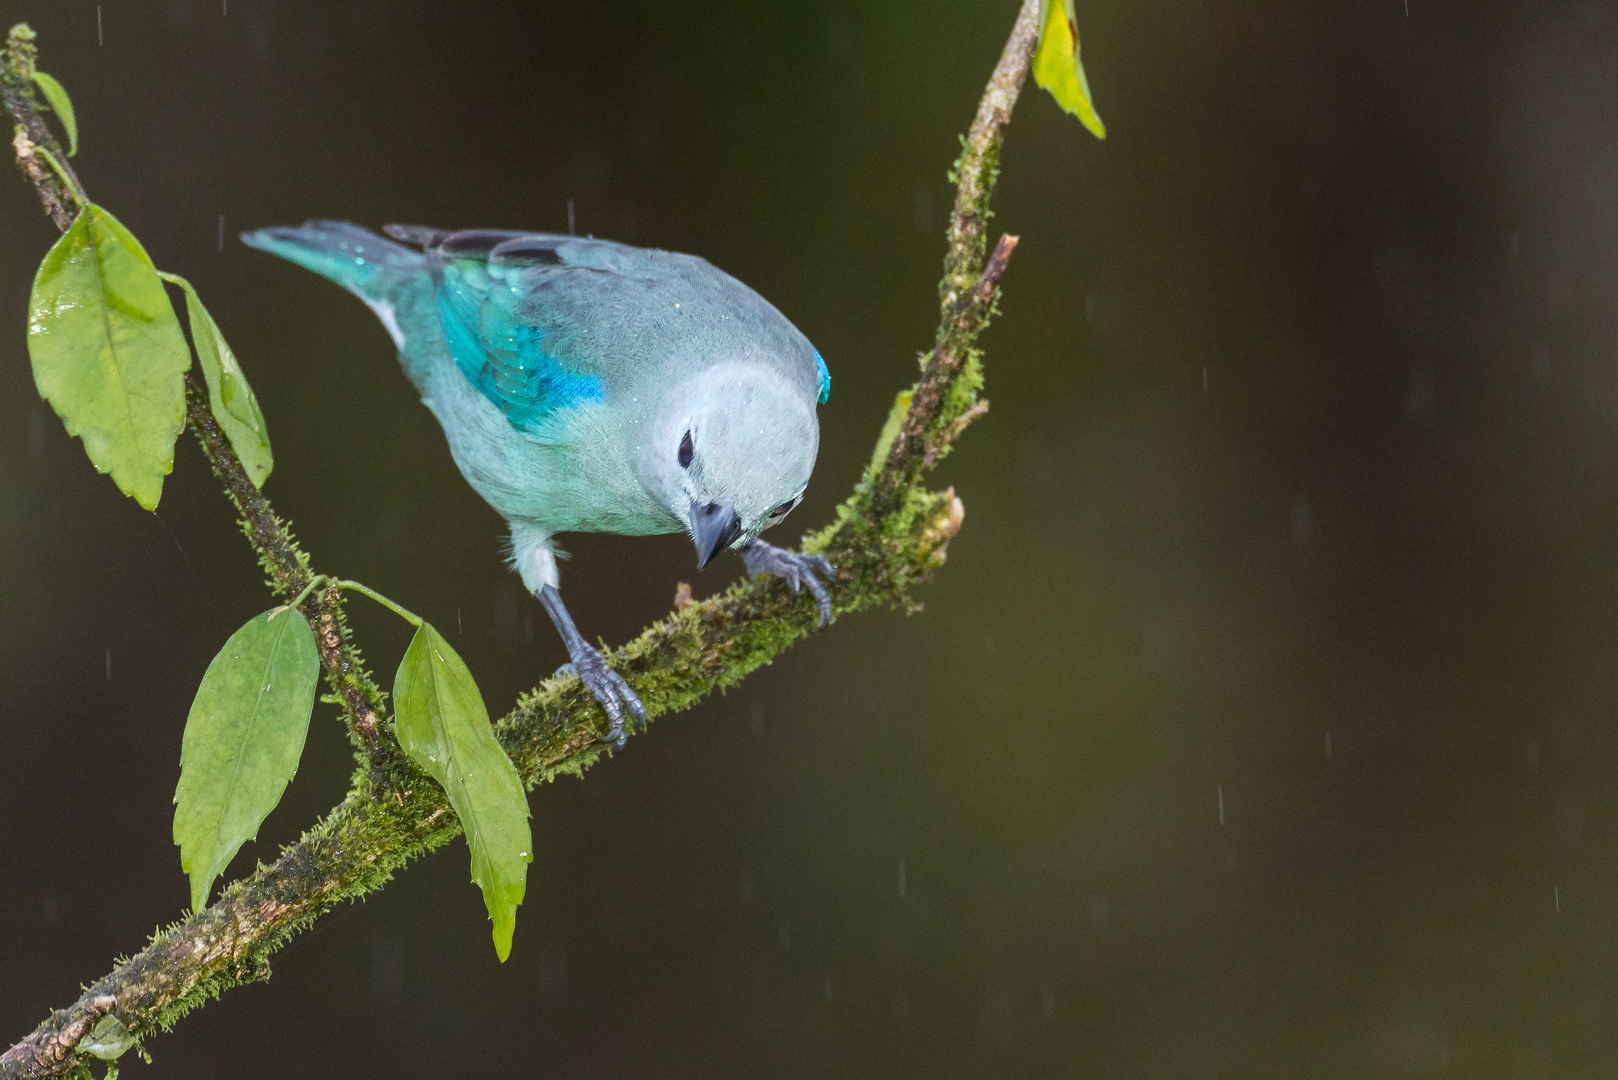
[(549, 481)]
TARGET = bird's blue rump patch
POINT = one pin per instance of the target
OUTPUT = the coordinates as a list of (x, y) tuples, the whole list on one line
[(825, 377)]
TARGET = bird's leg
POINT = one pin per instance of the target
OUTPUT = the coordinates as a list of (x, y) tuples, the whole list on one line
[(793, 568), (606, 684)]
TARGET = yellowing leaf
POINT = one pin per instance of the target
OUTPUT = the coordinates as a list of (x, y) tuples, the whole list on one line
[(230, 398), (1057, 66), (62, 106), (442, 724), (108, 352), (242, 741)]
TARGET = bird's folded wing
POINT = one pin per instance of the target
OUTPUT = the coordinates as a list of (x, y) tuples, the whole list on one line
[(519, 311)]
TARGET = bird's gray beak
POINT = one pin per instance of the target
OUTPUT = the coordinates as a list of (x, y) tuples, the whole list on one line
[(713, 528)]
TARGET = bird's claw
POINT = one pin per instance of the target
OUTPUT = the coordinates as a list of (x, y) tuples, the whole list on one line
[(609, 688), (795, 569)]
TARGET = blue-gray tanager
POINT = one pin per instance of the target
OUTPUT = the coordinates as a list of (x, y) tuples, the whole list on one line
[(591, 386)]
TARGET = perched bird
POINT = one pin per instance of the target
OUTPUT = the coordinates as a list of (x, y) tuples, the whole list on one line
[(589, 386)]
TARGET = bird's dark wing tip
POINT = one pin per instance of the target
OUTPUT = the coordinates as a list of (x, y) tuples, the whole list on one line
[(536, 250), (421, 236)]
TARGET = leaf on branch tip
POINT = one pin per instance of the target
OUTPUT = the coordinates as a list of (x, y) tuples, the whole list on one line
[(242, 741), (62, 106), (230, 398), (444, 727), (108, 352), (1057, 66)]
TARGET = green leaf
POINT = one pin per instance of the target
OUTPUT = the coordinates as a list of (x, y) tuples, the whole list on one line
[(229, 396), (108, 352), (109, 1040), (62, 105), (443, 726), (242, 741), (1057, 66)]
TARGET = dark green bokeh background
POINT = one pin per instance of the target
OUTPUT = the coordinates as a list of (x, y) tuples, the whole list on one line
[(1297, 498)]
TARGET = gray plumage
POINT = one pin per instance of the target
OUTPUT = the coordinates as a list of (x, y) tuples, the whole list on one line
[(585, 385)]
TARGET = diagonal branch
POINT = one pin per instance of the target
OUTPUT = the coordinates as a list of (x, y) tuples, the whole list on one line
[(889, 535)]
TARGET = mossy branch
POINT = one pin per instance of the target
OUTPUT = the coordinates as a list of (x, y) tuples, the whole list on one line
[(289, 577), (58, 192), (890, 534)]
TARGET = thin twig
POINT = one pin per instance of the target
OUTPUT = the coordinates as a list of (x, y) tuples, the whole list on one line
[(57, 193), (926, 431), (290, 575), (969, 288)]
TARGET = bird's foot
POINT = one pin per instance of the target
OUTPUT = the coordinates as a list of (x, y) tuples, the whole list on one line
[(609, 688), (795, 569)]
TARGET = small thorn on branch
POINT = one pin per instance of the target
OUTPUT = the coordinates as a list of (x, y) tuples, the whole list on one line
[(983, 289)]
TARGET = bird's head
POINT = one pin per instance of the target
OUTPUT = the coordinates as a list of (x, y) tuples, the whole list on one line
[(732, 454)]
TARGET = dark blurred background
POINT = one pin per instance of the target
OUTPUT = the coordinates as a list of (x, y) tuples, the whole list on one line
[(1264, 722)]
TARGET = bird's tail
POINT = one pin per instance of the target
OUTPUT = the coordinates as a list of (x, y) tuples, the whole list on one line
[(367, 265)]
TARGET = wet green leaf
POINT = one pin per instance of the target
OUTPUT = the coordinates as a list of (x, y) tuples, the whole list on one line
[(444, 727), (229, 396), (1057, 66), (62, 106), (242, 741), (108, 352), (109, 1040)]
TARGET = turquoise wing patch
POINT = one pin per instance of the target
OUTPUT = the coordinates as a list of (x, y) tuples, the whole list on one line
[(825, 377), (503, 357)]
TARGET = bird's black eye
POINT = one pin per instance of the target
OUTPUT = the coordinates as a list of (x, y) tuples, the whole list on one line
[(687, 451)]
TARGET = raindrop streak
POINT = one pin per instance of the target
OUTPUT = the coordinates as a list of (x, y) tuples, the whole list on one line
[(1556, 893), (1220, 790), (901, 861), (221, 234), (99, 39), (460, 628), (109, 665), (1204, 378), (186, 558), (570, 229), (1328, 744)]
